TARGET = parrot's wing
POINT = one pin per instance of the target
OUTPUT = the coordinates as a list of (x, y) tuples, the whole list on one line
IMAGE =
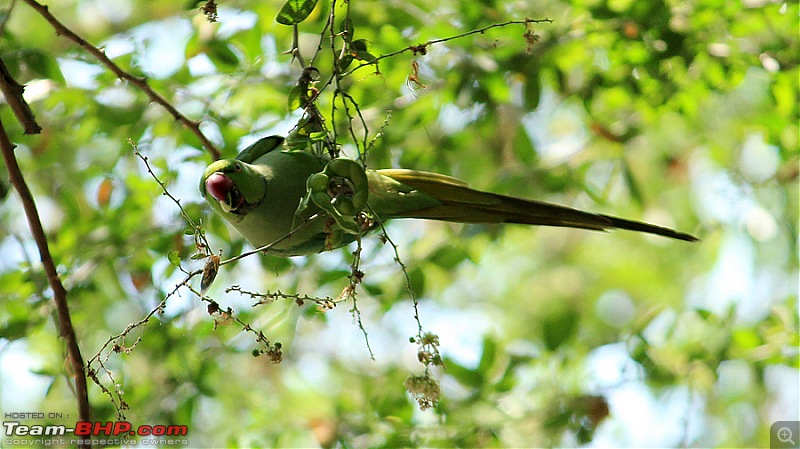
[(260, 148), (420, 177), (456, 201)]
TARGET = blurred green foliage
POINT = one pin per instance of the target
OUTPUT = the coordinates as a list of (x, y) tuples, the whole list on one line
[(683, 113)]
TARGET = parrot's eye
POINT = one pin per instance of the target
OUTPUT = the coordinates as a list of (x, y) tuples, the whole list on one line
[(237, 167)]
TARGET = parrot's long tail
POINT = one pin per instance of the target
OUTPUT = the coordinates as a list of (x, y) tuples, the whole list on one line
[(460, 203)]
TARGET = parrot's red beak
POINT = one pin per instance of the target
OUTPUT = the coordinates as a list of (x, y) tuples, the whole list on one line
[(220, 187)]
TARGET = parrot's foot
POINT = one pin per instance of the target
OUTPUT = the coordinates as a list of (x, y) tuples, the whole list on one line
[(341, 190)]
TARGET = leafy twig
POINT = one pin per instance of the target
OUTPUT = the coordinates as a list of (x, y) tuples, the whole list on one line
[(323, 304), (273, 351), (74, 358), (116, 340), (197, 228), (119, 404), (140, 83)]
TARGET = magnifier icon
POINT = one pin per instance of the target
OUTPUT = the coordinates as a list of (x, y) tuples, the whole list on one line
[(784, 435)]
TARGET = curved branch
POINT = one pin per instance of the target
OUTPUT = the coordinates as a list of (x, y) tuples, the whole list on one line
[(74, 357), (12, 91), (140, 83)]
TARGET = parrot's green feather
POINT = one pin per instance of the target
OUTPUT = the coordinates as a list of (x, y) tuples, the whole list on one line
[(260, 191), (260, 148), (419, 178), (460, 203)]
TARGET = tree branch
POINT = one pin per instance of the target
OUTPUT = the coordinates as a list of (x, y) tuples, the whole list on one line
[(140, 83), (74, 357), (12, 91)]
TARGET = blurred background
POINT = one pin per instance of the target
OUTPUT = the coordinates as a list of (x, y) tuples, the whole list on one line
[(681, 113)]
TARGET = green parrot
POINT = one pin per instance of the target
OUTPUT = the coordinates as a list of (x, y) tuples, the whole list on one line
[(300, 204)]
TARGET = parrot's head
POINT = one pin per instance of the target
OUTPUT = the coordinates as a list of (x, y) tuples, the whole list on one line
[(232, 188)]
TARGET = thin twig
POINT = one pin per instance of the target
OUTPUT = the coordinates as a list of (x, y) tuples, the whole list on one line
[(197, 228), (74, 358), (355, 277), (328, 23), (404, 269), (272, 244), (140, 83), (272, 351), (296, 46), (118, 401), (131, 326), (360, 145), (423, 47), (323, 304), (336, 58)]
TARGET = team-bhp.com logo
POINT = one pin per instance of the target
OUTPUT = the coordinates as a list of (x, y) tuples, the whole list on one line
[(122, 430)]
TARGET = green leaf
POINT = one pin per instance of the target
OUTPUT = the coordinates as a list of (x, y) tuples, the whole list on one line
[(558, 327), (488, 355), (317, 136), (416, 278), (295, 98), (358, 45), (14, 330), (333, 275), (358, 48), (704, 314), (42, 64), (449, 257), (295, 11), (464, 375), (346, 29), (372, 289), (220, 52), (344, 62), (633, 185), (174, 258)]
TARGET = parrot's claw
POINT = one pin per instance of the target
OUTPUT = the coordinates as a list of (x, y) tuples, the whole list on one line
[(341, 190)]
